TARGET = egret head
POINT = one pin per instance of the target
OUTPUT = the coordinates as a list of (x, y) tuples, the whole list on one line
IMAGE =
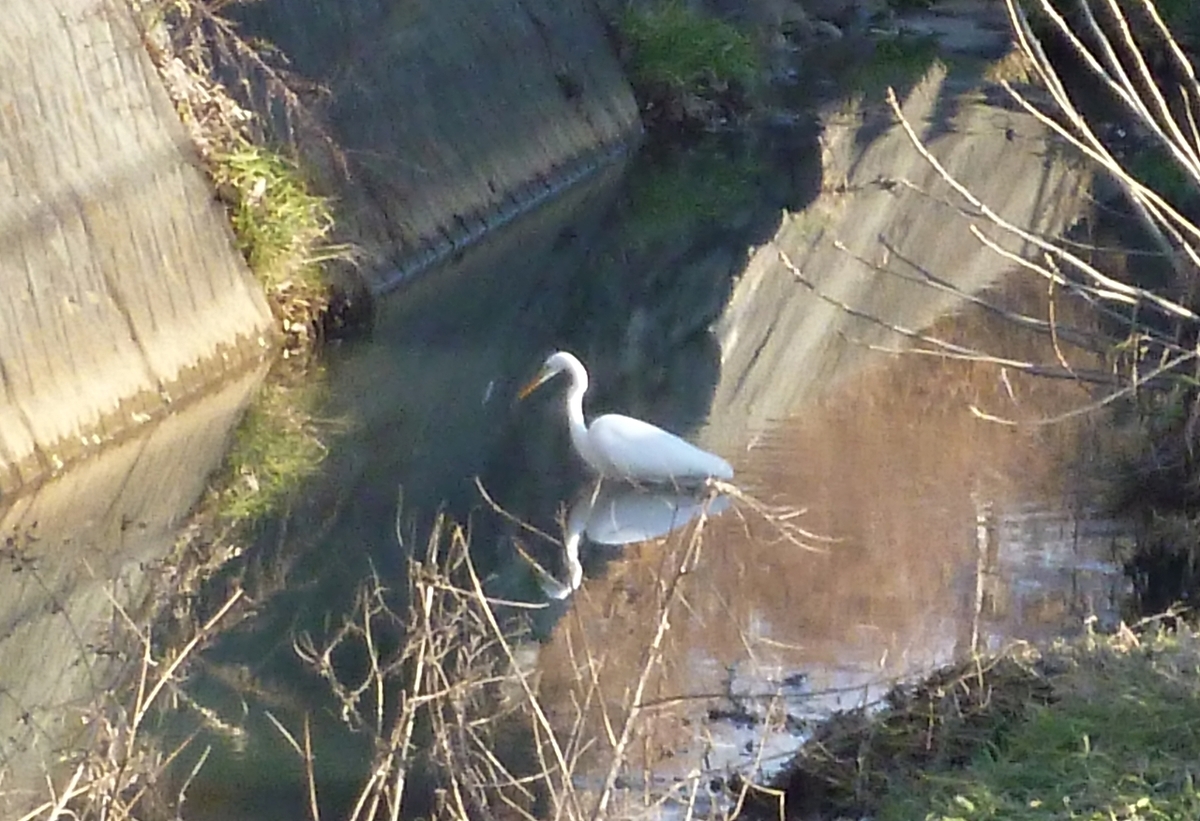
[(555, 364)]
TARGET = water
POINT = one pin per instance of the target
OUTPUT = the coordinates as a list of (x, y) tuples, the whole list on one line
[(952, 535), (886, 526)]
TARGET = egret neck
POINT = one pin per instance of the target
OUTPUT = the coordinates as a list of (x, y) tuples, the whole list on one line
[(575, 421)]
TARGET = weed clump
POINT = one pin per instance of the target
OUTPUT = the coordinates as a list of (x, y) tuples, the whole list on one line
[(689, 71), (281, 228)]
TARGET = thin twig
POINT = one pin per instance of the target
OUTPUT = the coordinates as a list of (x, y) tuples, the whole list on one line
[(1116, 286), (1091, 407)]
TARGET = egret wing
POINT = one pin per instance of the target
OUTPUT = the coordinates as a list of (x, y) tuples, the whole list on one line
[(632, 449)]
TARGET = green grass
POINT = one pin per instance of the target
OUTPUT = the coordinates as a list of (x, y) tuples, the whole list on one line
[(897, 61), (673, 47), (281, 227), (1120, 740)]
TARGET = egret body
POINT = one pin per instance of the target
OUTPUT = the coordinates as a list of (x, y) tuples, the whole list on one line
[(621, 447)]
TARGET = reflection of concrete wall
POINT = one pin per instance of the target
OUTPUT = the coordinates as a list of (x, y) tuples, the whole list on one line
[(63, 551), (451, 115), (780, 342), (120, 291)]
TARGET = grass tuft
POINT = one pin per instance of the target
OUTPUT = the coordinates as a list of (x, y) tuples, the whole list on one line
[(890, 61), (280, 225), (687, 67), (675, 46)]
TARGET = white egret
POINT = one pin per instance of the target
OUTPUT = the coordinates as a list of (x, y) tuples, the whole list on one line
[(621, 447)]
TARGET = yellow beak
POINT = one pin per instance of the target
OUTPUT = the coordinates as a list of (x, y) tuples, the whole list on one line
[(532, 385)]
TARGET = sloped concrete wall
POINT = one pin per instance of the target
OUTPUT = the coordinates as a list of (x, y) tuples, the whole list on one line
[(120, 290), (451, 116)]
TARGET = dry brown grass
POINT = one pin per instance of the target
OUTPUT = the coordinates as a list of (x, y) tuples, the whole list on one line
[(461, 674), (117, 767), (444, 680), (941, 722)]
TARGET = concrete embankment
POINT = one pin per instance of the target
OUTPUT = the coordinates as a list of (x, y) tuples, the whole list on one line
[(450, 117), (120, 290), (81, 542)]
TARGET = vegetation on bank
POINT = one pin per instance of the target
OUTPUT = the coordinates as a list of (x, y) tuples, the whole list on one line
[(895, 60), (689, 71), (281, 225), (1102, 728), (282, 229), (1120, 740)]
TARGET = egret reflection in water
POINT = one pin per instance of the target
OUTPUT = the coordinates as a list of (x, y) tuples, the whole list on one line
[(616, 513), (621, 447)]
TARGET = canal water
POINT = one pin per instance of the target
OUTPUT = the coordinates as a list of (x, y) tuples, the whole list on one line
[(905, 493), (895, 510)]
